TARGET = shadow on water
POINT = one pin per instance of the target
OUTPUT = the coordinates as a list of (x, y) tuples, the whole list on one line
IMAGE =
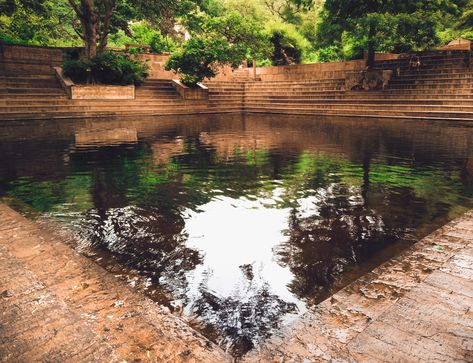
[(240, 223)]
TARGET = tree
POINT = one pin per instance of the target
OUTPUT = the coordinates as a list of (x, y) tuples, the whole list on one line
[(39, 22), (243, 33), (97, 18), (8, 7), (404, 20), (202, 56), (289, 46)]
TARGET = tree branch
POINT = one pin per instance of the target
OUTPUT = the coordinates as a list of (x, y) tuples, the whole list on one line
[(76, 8)]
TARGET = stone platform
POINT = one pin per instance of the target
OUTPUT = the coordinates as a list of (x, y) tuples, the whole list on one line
[(56, 305)]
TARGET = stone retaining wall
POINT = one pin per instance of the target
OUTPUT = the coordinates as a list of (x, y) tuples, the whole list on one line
[(27, 53), (304, 71)]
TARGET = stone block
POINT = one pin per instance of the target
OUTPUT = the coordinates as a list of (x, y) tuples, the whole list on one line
[(201, 92), (102, 92)]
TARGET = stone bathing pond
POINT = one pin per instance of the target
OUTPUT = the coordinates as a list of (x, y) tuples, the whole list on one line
[(239, 223)]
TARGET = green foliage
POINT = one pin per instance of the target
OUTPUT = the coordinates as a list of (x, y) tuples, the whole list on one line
[(223, 40), (144, 34), (290, 47), (107, 68), (331, 53), (7, 39), (389, 26), (77, 69), (161, 44), (202, 56), (242, 33), (37, 22)]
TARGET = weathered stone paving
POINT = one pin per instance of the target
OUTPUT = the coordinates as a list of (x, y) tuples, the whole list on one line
[(414, 308), (58, 306)]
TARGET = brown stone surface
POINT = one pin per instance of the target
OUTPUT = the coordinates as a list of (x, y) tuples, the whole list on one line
[(414, 308), (99, 92), (200, 92), (56, 305)]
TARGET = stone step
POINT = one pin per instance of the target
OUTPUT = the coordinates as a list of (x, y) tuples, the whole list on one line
[(408, 90), (31, 102), (364, 106), (30, 84), (443, 115), (32, 95), (80, 312), (27, 90), (290, 83), (33, 78), (413, 96), (296, 90), (436, 75), (437, 81), (96, 107), (365, 100)]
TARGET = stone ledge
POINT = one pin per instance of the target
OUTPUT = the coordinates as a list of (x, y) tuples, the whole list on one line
[(93, 92), (187, 93)]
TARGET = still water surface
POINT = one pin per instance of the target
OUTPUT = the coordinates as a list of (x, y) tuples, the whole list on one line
[(240, 223)]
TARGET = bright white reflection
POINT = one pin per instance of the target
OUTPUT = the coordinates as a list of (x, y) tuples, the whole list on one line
[(234, 232)]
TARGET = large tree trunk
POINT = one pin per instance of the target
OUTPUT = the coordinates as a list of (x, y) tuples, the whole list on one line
[(89, 27), (371, 47), (95, 23), (90, 39)]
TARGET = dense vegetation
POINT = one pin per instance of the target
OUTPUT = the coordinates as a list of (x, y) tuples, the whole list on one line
[(262, 32), (108, 68)]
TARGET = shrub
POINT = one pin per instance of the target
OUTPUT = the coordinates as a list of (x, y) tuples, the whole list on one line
[(7, 39), (160, 44), (331, 53), (145, 35), (107, 68), (77, 69), (289, 45)]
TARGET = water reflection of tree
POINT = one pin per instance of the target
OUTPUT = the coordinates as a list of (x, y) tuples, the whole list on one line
[(144, 240), (323, 245), (244, 319)]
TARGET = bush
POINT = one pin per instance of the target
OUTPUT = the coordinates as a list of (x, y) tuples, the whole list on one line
[(160, 44), (289, 45), (107, 68), (7, 39), (145, 35), (77, 69), (331, 53)]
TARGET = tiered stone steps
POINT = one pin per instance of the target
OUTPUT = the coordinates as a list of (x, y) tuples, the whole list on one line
[(440, 89), (38, 95), (226, 95)]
